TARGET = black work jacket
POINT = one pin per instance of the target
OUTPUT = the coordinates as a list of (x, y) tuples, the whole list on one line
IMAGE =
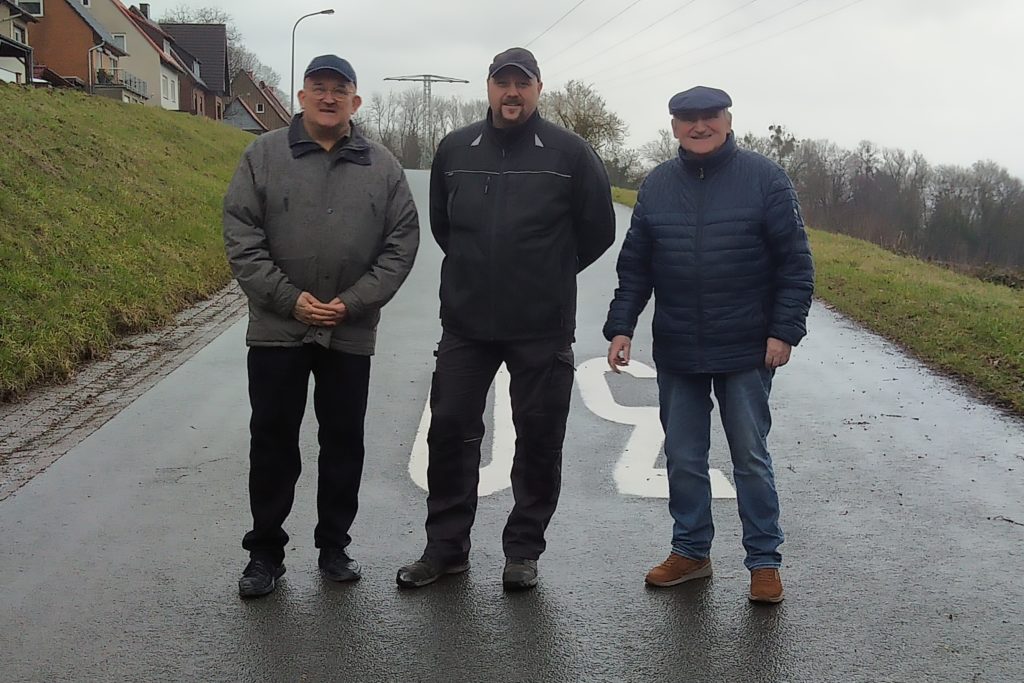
[(518, 212)]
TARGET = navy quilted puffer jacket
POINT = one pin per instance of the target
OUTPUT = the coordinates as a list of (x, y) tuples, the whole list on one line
[(721, 243)]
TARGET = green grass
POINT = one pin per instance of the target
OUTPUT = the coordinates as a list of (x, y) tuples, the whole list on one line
[(109, 224), (957, 324), (621, 196)]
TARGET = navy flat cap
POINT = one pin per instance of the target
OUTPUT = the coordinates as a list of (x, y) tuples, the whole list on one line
[(332, 63), (700, 98)]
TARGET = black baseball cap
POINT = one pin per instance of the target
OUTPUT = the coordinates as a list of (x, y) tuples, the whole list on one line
[(518, 57), (332, 63)]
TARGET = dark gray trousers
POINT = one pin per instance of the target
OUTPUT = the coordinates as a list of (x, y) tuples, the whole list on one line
[(541, 373)]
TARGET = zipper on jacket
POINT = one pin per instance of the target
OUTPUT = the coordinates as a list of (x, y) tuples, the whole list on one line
[(494, 237), (699, 241), (487, 184)]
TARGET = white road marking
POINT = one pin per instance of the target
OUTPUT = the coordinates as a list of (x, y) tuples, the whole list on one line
[(496, 475), (635, 473)]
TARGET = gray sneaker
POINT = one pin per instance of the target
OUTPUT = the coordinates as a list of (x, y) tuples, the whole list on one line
[(425, 571), (520, 574)]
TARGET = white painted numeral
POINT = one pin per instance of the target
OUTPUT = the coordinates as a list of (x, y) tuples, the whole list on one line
[(635, 473), (496, 475)]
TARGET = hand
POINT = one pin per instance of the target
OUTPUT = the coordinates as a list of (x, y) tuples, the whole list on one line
[(311, 311), (618, 352), (777, 354), (339, 308)]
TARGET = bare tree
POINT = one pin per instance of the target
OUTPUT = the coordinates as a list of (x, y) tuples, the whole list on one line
[(381, 120), (663, 148), (582, 110)]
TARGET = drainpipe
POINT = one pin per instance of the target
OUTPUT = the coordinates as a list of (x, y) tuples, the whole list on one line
[(92, 71)]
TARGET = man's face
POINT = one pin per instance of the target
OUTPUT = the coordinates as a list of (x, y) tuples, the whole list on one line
[(701, 132), (513, 96), (328, 100)]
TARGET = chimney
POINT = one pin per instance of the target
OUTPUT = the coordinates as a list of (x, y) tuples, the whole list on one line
[(144, 8)]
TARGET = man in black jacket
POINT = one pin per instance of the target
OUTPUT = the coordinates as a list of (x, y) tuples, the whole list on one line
[(519, 206)]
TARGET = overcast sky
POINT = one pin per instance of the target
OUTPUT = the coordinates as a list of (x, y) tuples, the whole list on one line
[(935, 76)]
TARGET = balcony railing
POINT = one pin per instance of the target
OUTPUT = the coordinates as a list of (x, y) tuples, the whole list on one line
[(123, 79)]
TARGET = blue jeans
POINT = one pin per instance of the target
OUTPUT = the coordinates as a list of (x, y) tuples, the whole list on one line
[(686, 417)]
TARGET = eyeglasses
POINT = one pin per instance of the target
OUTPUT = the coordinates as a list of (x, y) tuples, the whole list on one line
[(320, 92)]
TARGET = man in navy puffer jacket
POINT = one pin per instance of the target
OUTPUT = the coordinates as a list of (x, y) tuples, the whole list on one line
[(717, 236)]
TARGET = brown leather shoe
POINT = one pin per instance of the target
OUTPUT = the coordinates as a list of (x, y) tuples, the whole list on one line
[(676, 569), (766, 585)]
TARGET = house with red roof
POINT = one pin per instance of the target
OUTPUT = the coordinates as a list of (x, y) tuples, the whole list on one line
[(71, 47), (261, 100), (148, 58), (192, 89)]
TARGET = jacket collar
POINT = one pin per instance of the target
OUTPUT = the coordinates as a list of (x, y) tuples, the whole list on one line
[(353, 148), (506, 136), (711, 162)]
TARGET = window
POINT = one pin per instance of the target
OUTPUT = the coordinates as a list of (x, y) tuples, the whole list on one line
[(86, 3), (19, 35), (113, 64), (260, 108), (174, 90), (33, 8), (120, 41), (163, 87)]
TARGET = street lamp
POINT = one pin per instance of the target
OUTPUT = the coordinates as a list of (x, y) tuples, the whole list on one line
[(291, 93)]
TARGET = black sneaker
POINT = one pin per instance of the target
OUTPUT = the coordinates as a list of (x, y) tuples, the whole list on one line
[(336, 565), (259, 578), (425, 571), (520, 574)]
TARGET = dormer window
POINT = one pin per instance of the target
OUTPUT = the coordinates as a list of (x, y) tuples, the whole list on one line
[(260, 109), (34, 8)]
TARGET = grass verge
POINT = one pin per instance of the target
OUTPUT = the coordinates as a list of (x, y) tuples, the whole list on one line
[(109, 224), (957, 324)]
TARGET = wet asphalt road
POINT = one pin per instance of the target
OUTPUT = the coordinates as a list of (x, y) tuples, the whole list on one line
[(900, 495)]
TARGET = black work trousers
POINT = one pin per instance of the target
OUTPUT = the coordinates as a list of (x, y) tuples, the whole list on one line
[(278, 385), (541, 372)]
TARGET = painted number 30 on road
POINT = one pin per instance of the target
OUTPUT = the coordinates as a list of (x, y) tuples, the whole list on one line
[(635, 471)]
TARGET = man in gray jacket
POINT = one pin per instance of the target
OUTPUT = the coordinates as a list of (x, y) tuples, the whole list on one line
[(320, 230)]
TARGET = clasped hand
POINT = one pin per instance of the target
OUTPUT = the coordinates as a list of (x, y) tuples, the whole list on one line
[(312, 311)]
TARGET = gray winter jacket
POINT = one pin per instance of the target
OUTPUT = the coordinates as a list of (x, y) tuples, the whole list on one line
[(335, 224)]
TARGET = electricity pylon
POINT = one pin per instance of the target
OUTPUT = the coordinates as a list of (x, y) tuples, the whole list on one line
[(428, 80)]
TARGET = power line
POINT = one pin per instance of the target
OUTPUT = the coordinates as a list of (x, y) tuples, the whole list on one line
[(586, 35), (557, 21), (677, 67), (677, 38), (728, 35), (630, 37)]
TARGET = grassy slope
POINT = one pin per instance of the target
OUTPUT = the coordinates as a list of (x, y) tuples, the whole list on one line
[(109, 223), (958, 324)]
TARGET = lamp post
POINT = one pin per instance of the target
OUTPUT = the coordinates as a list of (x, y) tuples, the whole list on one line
[(291, 93)]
